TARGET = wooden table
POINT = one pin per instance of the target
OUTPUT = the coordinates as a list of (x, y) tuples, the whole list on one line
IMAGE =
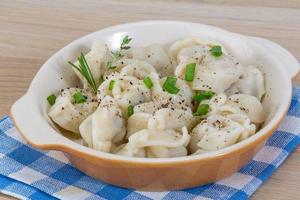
[(31, 31)]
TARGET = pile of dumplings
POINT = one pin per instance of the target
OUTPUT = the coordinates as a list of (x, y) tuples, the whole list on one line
[(130, 118)]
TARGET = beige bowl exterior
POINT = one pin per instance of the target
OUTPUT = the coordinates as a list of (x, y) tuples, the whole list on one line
[(161, 176), (145, 173)]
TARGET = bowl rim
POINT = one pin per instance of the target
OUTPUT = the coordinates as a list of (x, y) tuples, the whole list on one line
[(89, 153)]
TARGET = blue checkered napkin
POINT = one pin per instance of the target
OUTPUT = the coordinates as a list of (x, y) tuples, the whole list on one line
[(28, 173)]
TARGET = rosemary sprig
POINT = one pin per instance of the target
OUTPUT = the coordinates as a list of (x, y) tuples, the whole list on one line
[(85, 71)]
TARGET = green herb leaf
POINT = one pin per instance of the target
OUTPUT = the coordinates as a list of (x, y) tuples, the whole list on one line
[(117, 55), (190, 72), (216, 51), (148, 82), (125, 42), (78, 98), (101, 80), (170, 85), (202, 110), (111, 85), (85, 71), (110, 66), (51, 99), (130, 110), (203, 95)]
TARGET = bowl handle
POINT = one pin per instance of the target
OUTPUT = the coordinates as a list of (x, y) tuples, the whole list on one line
[(31, 123), (290, 63)]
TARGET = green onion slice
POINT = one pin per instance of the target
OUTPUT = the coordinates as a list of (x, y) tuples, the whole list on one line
[(202, 109), (79, 98), (51, 99), (203, 95), (148, 82), (111, 85), (216, 51), (130, 110), (190, 72), (170, 85)]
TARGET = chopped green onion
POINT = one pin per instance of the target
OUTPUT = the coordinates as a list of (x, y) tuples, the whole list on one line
[(190, 72), (202, 109), (203, 95), (111, 85), (148, 82), (130, 110), (79, 98), (216, 51), (51, 99), (170, 85)]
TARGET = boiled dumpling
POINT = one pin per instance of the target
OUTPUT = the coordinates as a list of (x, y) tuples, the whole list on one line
[(136, 122), (217, 75), (165, 139), (138, 69), (180, 100), (178, 49), (247, 105), (164, 152), (167, 118), (127, 90), (216, 132), (97, 60), (251, 82), (67, 114), (177, 46), (105, 127), (246, 123), (125, 151), (156, 56)]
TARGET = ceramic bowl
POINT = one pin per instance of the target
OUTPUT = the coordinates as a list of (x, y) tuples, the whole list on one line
[(156, 174)]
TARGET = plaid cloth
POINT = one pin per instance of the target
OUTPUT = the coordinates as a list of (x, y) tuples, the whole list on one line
[(28, 173)]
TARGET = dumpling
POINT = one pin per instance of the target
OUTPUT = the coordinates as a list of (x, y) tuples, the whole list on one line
[(177, 46), (217, 75), (67, 114), (215, 103), (138, 69), (237, 104), (176, 50), (182, 99), (170, 143), (162, 99), (192, 54), (136, 122), (163, 152), (212, 73), (127, 90), (245, 122), (97, 60), (167, 118), (105, 127), (156, 56), (250, 82), (216, 132), (247, 105), (124, 151)]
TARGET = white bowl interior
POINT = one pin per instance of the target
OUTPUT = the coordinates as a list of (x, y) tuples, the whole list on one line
[(48, 80)]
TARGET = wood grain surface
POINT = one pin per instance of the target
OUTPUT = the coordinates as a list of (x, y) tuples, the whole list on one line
[(31, 31)]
